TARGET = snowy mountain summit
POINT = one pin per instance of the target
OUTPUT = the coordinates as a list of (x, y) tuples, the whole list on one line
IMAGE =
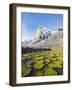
[(44, 38), (42, 33)]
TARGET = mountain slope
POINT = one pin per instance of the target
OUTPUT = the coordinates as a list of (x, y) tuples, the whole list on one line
[(45, 39), (55, 41)]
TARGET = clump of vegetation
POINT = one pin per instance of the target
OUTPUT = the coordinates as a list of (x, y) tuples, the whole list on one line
[(25, 71), (42, 63), (50, 72), (38, 65)]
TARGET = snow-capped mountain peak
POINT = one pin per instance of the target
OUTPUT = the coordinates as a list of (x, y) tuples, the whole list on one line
[(43, 37), (42, 33)]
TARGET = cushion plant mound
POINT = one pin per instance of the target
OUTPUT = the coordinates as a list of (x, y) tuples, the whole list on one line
[(56, 64), (38, 65), (39, 73), (49, 72), (25, 71)]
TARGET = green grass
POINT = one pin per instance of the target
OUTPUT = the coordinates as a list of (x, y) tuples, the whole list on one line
[(39, 73), (56, 64), (44, 62), (50, 72), (25, 71), (38, 65)]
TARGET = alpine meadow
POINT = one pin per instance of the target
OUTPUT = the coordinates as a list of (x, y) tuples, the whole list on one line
[(41, 44)]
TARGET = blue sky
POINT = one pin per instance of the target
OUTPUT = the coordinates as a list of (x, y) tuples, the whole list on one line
[(30, 22)]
